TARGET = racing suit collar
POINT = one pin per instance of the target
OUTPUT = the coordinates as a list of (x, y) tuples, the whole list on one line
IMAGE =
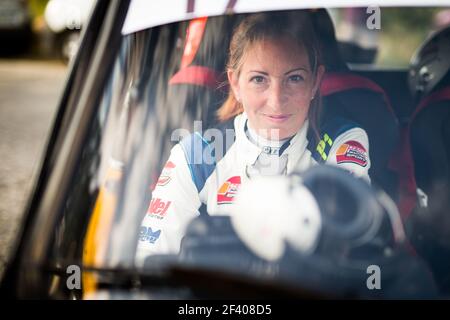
[(250, 151), (296, 148)]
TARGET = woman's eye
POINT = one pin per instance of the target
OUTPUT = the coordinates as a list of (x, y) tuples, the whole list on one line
[(296, 78), (257, 79)]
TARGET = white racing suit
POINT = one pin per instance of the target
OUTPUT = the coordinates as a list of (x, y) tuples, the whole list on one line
[(190, 185)]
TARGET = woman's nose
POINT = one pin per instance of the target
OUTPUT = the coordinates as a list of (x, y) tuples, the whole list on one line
[(277, 96)]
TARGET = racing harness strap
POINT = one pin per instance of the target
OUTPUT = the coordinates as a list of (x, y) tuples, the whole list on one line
[(192, 74), (194, 35), (197, 75), (336, 82)]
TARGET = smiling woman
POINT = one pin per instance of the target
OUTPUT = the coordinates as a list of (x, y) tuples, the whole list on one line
[(274, 79)]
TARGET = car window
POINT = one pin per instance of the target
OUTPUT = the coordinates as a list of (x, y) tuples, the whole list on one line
[(168, 82)]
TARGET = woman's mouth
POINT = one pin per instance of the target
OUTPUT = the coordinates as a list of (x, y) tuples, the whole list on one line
[(278, 118)]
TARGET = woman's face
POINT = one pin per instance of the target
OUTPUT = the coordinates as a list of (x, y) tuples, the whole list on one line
[(275, 85)]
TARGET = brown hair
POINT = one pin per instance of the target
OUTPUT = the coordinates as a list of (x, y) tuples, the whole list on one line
[(259, 26)]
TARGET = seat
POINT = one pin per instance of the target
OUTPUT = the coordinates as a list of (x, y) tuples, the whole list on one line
[(427, 154)]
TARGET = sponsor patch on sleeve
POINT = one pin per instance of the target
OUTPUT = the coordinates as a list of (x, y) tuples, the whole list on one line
[(165, 176), (146, 234), (352, 152), (158, 208), (228, 190)]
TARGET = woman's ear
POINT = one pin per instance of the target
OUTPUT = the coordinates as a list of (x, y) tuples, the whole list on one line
[(233, 80), (318, 81)]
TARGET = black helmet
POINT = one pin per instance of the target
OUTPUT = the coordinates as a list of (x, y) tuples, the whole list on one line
[(430, 63)]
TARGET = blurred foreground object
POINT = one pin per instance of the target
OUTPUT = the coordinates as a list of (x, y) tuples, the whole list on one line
[(65, 18)]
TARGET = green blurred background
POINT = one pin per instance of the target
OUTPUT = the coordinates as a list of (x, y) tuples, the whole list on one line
[(402, 31), (37, 7)]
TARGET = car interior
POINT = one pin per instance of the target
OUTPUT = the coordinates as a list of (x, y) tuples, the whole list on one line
[(409, 137)]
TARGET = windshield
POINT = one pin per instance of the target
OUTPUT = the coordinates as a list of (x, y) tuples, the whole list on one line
[(271, 153)]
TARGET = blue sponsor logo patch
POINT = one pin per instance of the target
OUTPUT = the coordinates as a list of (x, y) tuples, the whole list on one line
[(147, 234)]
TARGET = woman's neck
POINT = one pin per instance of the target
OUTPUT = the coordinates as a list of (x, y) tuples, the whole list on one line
[(261, 141)]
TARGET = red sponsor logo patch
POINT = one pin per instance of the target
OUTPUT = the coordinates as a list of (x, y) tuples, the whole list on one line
[(164, 178), (352, 152), (228, 190), (158, 208)]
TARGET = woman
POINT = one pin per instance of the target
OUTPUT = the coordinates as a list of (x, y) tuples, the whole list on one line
[(274, 71)]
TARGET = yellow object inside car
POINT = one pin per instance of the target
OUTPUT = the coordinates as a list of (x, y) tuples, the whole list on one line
[(96, 240)]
